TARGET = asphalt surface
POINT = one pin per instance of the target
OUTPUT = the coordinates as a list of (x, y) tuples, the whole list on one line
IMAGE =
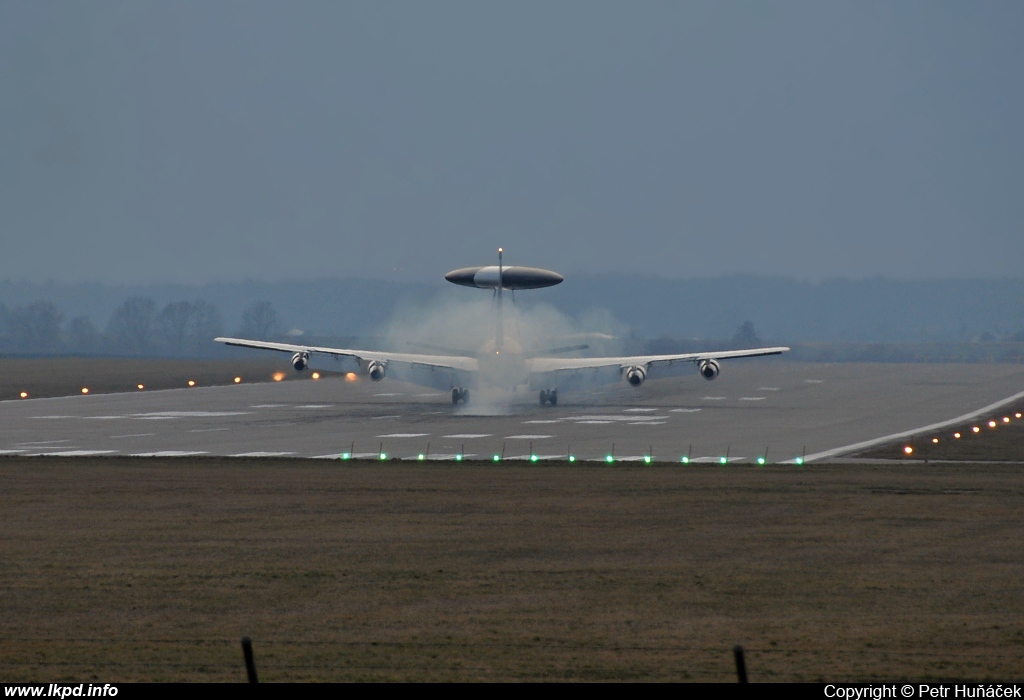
[(784, 409)]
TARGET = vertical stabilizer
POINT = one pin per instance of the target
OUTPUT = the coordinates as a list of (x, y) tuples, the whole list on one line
[(499, 336)]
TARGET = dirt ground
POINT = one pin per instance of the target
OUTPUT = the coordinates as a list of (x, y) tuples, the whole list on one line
[(153, 569)]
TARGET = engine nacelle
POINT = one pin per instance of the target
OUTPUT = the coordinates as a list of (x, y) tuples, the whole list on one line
[(636, 375), (709, 369), (300, 361), (376, 370)]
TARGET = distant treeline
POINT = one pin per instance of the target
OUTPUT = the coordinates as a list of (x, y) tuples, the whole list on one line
[(136, 328)]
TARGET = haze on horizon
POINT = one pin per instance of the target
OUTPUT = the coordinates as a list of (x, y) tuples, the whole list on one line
[(193, 142)]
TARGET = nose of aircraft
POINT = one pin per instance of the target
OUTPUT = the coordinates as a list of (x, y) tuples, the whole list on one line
[(463, 276)]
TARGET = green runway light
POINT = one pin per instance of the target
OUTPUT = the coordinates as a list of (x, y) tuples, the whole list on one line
[(497, 458), (722, 460), (383, 456), (760, 460), (572, 458), (799, 460), (346, 455), (647, 459), (421, 456), (685, 460), (533, 458), (609, 459), (458, 458)]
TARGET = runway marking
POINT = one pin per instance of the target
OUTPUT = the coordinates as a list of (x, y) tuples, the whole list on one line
[(814, 381), (433, 393), (713, 398), (356, 455), (269, 405), (767, 388), (41, 442), (403, 435), (752, 398), (640, 410), (529, 458), (53, 417), (527, 437), (383, 417), (684, 410), (537, 422), (189, 414), (170, 453), (316, 405), (446, 456), (208, 430), (608, 418), (469, 436), (594, 422), (117, 437), (10, 452), (263, 454), (391, 393), (102, 417), (156, 418), (648, 422), (713, 460), (856, 447), (73, 453)]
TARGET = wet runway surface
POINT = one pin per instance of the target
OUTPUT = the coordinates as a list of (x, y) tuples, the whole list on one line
[(784, 408)]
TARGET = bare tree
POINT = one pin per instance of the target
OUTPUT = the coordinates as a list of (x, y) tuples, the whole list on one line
[(260, 322), (82, 335), (35, 328), (745, 337), (130, 328)]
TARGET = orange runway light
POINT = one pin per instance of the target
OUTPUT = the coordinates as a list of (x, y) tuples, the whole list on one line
[(191, 383), (316, 375), (141, 386), (24, 394), (991, 424), (976, 429), (85, 390), (935, 441), (351, 377), (1006, 419), (278, 376), (909, 450), (1016, 415), (238, 380), (956, 435)]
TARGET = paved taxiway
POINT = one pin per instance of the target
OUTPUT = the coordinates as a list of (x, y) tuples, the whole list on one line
[(783, 407)]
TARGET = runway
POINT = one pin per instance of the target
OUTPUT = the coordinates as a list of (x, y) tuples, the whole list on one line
[(754, 408)]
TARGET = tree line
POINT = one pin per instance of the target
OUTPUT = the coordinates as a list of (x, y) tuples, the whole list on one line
[(136, 328)]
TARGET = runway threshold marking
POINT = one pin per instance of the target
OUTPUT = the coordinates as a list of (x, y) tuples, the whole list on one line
[(262, 454), (684, 410), (404, 435), (527, 437), (752, 398), (118, 437), (468, 436), (72, 453), (858, 446), (170, 453)]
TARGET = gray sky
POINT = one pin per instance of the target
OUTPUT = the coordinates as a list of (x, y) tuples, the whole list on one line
[(199, 141)]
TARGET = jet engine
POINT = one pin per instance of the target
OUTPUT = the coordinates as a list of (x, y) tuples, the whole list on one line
[(376, 370), (300, 361), (709, 369), (636, 375)]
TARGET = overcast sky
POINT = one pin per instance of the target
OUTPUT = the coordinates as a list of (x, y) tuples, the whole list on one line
[(201, 141)]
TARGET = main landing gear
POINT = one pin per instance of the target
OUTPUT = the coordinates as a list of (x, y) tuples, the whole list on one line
[(459, 394), (549, 396)]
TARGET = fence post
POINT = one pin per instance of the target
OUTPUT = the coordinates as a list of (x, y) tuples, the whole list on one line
[(250, 663), (741, 666)]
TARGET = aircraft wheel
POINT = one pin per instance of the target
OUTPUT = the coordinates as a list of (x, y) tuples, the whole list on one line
[(456, 395), (543, 397), (465, 396), (553, 397)]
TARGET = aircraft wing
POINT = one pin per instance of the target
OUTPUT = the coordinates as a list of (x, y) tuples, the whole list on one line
[(568, 371), (440, 371)]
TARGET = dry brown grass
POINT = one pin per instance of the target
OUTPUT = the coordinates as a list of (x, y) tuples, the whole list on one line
[(131, 569)]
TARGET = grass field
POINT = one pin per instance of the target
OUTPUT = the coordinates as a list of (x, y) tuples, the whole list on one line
[(152, 569)]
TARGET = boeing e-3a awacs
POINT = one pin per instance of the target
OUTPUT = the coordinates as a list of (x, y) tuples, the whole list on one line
[(502, 363)]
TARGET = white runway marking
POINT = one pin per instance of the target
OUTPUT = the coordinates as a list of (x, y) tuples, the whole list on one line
[(594, 422), (640, 410), (527, 437), (383, 417), (269, 405), (433, 393), (529, 458), (357, 455), (647, 422), (468, 436), (263, 454), (118, 437), (767, 388), (857, 447), (103, 417), (189, 414), (814, 381), (537, 422), (208, 430), (684, 410), (54, 417), (610, 418), (713, 398), (10, 452), (403, 435), (73, 453), (316, 405), (751, 398), (41, 442), (391, 393), (170, 453)]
